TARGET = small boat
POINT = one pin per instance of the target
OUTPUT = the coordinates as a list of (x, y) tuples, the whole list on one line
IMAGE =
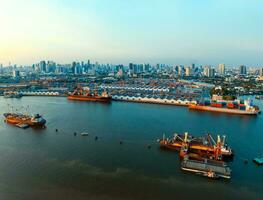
[(84, 134), (258, 160)]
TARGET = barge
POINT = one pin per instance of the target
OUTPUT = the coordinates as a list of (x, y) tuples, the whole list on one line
[(207, 168)]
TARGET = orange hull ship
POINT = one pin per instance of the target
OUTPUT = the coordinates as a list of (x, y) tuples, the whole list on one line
[(238, 107), (84, 95), (204, 146), (89, 98), (223, 110), (20, 119)]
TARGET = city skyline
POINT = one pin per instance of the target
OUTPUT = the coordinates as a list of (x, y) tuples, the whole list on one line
[(169, 32)]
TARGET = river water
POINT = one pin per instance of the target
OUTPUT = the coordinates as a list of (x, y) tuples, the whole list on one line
[(45, 164)]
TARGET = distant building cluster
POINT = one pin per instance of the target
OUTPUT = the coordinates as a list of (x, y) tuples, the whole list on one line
[(131, 70)]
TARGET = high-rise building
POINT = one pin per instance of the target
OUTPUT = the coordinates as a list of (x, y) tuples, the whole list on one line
[(43, 66), (180, 70), (188, 71), (16, 73), (242, 70), (50, 67), (221, 69), (209, 72), (146, 67), (261, 71)]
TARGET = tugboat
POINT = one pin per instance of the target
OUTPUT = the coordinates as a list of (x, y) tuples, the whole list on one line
[(84, 94), (22, 120)]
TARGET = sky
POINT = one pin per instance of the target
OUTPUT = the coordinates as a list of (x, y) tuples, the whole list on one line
[(139, 31)]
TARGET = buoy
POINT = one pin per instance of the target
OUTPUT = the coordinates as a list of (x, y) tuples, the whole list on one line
[(75, 133), (96, 138), (56, 130), (245, 161), (121, 142), (149, 146)]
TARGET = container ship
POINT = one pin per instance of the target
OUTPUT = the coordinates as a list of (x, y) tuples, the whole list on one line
[(84, 94), (23, 121), (232, 107)]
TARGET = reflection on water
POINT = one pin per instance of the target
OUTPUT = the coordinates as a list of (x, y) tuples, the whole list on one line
[(45, 164)]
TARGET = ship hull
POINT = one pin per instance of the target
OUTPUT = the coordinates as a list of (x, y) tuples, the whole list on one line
[(15, 120), (31, 124), (87, 98), (222, 110)]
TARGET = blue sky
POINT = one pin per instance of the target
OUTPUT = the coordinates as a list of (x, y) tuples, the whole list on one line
[(119, 31)]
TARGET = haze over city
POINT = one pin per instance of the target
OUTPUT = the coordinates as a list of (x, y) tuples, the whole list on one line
[(204, 32)]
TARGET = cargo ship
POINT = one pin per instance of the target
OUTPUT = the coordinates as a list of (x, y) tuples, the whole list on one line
[(84, 94), (204, 146), (22, 120), (231, 107)]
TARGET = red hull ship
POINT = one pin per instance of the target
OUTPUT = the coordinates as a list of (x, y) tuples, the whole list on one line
[(81, 94), (21, 119), (231, 107), (89, 98)]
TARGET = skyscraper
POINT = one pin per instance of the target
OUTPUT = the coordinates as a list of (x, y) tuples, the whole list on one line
[(209, 72), (188, 71), (242, 70), (43, 66), (221, 69)]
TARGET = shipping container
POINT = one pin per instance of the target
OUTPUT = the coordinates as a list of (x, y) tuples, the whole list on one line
[(242, 107)]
